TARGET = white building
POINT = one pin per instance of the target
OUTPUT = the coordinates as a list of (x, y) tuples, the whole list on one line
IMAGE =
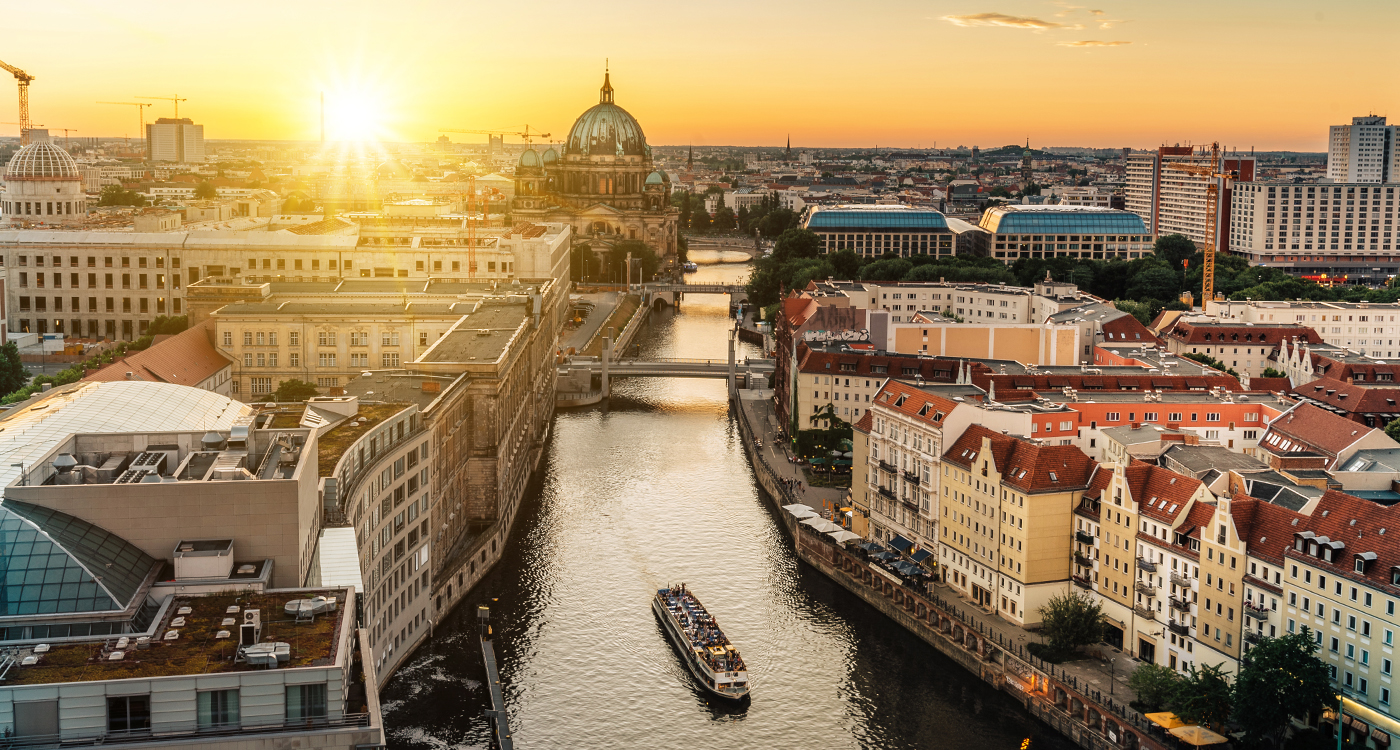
[(1330, 233), (43, 185), (169, 139), (1363, 152), (1173, 201)]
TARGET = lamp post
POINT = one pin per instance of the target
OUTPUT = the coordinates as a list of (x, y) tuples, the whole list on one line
[(1341, 703), (1112, 671)]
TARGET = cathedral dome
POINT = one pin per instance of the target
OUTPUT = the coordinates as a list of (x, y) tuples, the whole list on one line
[(656, 178), (606, 130), (550, 157), (530, 158), (42, 161)]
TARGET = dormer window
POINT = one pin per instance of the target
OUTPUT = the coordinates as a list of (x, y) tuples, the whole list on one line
[(1312, 548), (1394, 575), (1363, 560), (1327, 554)]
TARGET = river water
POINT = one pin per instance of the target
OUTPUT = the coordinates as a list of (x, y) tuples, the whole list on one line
[(651, 489)]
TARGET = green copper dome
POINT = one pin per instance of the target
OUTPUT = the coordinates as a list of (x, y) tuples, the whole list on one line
[(530, 158), (606, 130), (656, 178)]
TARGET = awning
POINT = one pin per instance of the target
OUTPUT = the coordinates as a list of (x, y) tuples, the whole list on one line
[(900, 543), (872, 546), (801, 514), (798, 506), (1163, 385), (1380, 738), (1192, 383), (908, 568), (1198, 736), (1166, 720), (920, 556), (1058, 382), (841, 462)]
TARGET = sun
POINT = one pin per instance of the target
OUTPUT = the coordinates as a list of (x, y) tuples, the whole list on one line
[(356, 114)]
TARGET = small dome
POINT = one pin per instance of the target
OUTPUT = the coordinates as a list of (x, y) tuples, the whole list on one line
[(550, 157), (42, 161), (530, 158), (656, 178)]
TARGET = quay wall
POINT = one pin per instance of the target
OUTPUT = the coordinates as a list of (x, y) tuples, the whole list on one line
[(1061, 700)]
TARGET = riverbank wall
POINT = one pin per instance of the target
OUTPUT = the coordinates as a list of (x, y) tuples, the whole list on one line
[(1067, 703)]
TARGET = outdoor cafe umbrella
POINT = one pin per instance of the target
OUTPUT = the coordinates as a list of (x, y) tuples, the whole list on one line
[(1198, 736), (843, 535), (796, 507), (821, 524), (801, 514), (1166, 720)]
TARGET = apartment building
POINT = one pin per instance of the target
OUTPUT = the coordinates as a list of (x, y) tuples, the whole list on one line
[(847, 377), (1370, 329), (938, 336), (1174, 201), (1310, 430), (175, 140), (1244, 348), (1366, 151), (1338, 233), (1004, 519)]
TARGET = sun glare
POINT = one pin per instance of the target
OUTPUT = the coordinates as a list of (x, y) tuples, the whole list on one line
[(355, 115)]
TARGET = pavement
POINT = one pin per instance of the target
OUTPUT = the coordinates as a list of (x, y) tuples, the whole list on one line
[(1103, 675), (603, 305)]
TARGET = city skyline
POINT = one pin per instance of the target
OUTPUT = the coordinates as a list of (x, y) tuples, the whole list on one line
[(905, 74)]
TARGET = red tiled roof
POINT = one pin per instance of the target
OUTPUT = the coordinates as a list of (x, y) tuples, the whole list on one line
[(864, 424), (1351, 398), (1279, 385), (1084, 382), (796, 310), (1363, 526), (1023, 464), (916, 403), (1200, 515), (1126, 328), (188, 358), (1311, 427), (1266, 528), (837, 363), (1193, 333), (1162, 494)]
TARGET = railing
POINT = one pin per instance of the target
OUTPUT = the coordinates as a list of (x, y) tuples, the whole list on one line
[(165, 732), (887, 492), (1145, 589), (1179, 628), (910, 503), (1179, 604), (1084, 537), (1145, 613), (1083, 561), (1147, 565), (1258, 613), (1181, 580), (1253, 636), (911, 477), (888, 467), (1081, 582)]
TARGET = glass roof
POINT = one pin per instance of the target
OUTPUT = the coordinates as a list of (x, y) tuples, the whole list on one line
[(859, 219), (53, 563), (1061, 220)]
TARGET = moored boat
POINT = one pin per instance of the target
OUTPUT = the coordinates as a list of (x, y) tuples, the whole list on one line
[(704, 648)]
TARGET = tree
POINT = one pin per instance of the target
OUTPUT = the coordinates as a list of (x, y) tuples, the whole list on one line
[(1156, 282), (1174, 248), (797, 243), (1279, 678), (1156, 686), (13, 376), (724, 219), (641, 253), (1270, 372), (1070, 621), (742, 219), (293, 390), (1392, 428), (205, 191), (845, 263), (1204, 697), (699, 217)]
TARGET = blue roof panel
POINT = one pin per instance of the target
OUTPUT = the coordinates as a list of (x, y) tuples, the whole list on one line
[(1100, 221), (858, 219)]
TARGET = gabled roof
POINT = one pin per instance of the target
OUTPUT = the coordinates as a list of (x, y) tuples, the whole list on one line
[(1023, 464), (1306, 427), (864, 424), (1266, 528), (1161, 494), (1197, 519), (1350, 398), (1363, 526), (915, 403), (187, 358)]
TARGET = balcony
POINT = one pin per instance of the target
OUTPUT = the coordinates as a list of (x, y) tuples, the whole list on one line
[(1144, 588), (889, 493), (887, 466), (1145, 613), (1257, 612), (1179, 604), (1178, 627), (1253, 636), (1084, 537), (1147, 565), (1082, 582), (1082, 561), (910, 503), (1181, 580), (911, 477)]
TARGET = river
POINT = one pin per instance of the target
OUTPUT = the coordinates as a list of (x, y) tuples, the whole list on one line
[(651, 489)]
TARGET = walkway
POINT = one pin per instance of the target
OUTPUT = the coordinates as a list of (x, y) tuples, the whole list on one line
[(1090, 675), (603, 305)]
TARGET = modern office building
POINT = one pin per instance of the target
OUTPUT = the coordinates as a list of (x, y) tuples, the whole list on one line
[(175, 140), (1173, 201), (874, 230), (1329, 233), (1365, 152), (1062, 231)]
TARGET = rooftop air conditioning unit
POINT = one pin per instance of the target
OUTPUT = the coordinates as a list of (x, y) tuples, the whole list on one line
[(251, 630)]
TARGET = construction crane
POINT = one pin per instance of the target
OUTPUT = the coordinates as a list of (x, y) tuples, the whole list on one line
[(140, 114), (175, 99), (1211, 173), (24, 79), (524, 134)]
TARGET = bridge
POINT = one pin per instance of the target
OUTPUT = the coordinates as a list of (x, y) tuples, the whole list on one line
[(575, 375), (659, 294)]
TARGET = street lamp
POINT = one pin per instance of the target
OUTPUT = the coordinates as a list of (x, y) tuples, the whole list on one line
[(1112, 670)]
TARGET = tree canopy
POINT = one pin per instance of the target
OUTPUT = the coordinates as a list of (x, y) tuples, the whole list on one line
[(293, 390), (205, 191), (1070, 621), (1280, 678)]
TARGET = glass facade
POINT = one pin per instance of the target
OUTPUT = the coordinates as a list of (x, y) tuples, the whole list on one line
[(53, 563), (866, 220), (1063, 222)]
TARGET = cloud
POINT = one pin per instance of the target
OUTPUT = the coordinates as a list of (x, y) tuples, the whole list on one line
[(1004, 20), (1093, 43), (1097, 12)]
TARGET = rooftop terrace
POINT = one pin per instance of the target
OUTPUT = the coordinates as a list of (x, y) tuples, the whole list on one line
[(332, 445)]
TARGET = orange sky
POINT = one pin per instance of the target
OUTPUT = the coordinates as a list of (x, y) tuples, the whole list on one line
[(1272, 74)]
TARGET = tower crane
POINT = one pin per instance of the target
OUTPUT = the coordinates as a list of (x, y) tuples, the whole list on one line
[(1211, 173), (175, 99), (24, 79), (140, 114), (525, 134)]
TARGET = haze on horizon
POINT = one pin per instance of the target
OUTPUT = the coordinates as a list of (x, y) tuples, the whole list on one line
[(1268, 74)]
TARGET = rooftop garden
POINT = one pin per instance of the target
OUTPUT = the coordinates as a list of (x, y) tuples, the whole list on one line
[(333, 444), (197, 650)]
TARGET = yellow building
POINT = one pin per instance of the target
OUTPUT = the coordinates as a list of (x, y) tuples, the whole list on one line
[(1024, 342), (1007, 509)]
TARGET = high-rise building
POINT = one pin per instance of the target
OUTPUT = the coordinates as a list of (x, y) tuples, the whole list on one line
[(169, 139), (1364, 151), (1173, 201), (1335, 233)]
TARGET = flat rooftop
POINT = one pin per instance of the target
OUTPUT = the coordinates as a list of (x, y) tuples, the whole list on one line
[(482, 336), (334, 442), (197, 649)]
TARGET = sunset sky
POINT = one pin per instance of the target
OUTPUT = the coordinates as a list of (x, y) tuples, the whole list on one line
[(1271, 74)]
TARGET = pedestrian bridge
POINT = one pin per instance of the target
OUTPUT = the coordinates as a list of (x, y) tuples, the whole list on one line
[(699, 288), (678, 368)]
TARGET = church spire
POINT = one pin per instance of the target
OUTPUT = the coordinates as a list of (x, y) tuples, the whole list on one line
[(605, 95), (690, 160), (789, 147)]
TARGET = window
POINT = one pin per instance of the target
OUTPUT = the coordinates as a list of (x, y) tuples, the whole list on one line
[(327, 360), (228, 338), (294, 338), (389, 338), (1174, 416), (325, 338), (306, 702), (218, 709), (390, 359), (129, 713)]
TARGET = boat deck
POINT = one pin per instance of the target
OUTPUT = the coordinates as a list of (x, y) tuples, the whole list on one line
[(701, 629)]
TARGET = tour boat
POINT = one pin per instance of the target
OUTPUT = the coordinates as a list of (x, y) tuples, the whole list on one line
[(690, 267), (707, 653)]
